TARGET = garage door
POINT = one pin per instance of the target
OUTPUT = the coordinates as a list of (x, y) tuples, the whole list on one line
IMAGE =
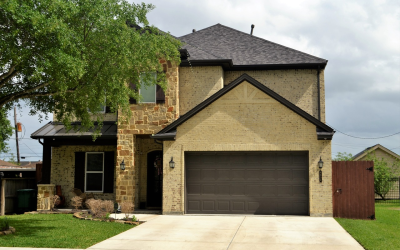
[(274, 183)]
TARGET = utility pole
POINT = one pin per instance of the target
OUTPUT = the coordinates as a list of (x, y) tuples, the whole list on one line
[(16, 133)]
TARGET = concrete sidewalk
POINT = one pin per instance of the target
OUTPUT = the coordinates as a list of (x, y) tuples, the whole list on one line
[(233, 232)]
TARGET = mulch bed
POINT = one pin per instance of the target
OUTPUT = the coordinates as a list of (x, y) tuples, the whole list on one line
[(85, 216)]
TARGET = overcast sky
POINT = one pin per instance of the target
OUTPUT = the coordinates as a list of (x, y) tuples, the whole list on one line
[(360, 40)]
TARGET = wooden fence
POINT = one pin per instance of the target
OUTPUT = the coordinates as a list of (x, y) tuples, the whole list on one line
[(353, 189), (8, 194)]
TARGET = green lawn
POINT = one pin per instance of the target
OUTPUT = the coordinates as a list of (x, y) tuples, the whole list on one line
[(58, 231), (382, 233)]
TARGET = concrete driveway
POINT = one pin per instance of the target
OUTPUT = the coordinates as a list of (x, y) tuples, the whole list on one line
[(232, 232)]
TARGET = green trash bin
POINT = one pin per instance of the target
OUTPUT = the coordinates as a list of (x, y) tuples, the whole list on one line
[(26, 200)]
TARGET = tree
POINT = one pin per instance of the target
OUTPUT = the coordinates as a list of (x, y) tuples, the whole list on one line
[(71, 56), (343, 157), (383, 175), (5, 131)]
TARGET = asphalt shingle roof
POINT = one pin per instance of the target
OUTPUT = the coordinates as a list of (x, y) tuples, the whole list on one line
[(222, 42)]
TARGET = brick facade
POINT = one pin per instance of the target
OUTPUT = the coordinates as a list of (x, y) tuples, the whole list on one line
[(197, 84), (63, 168), (230, 124), (147, 119), (299, 86)]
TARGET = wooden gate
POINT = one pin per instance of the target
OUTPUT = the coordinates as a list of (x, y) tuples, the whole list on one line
[(353, 189)]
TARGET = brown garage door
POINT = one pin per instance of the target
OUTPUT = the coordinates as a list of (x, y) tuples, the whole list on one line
[(273, 183)]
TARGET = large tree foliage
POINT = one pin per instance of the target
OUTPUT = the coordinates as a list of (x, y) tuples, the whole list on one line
[(69, 56), (385, 174), (343, 156), (5, 131)]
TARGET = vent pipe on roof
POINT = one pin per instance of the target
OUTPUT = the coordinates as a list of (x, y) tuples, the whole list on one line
[(193, 30), (252, 28)]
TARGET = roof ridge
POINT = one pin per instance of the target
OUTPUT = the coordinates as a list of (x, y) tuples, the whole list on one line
[(200, 30), (265, 40)]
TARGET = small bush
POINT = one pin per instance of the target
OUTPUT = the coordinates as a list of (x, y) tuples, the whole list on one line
[(127, 208), (134, 219), (100, 208), (4, 224), (76, 201)]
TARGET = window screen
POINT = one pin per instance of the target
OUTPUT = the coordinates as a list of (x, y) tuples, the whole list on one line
[(94, 172), (148, 87)]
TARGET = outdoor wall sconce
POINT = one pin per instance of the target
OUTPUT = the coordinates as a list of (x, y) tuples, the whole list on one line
[(122, 165), (172, 163), (320, 165)]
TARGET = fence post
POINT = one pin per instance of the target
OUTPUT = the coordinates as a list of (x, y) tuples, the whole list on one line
[(3, 197)]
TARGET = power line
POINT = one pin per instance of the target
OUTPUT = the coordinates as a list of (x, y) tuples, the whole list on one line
[(363, 137), (30, 149)]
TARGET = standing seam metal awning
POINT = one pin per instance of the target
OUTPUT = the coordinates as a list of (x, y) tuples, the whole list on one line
[(58, 130)]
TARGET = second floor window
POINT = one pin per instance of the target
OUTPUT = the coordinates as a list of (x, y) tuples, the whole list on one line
[(148, 87)]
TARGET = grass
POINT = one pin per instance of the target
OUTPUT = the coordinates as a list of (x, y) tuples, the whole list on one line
[(382, 233), (58, 231)]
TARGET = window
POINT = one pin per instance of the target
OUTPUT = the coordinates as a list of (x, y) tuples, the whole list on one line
[(100, 109), (94, 172), (148, 87)]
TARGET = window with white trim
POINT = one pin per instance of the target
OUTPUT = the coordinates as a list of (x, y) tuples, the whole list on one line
[(148, 87), (94, 172)]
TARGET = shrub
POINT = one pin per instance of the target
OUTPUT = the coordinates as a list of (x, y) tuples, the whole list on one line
[(4, 224), (100, 208), (76, 201), (127, 208)]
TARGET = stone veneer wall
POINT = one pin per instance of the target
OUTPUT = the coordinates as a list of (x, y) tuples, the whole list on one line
[(255, 123), (197, 84), (45, 191), (147, 118), (63, 169), (299, 86)]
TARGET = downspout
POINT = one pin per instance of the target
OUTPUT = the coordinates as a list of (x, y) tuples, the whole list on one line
[(319, 94)]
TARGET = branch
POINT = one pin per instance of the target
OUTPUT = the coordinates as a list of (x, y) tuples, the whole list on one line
[(4, 78), (13, 97), (17, 95)]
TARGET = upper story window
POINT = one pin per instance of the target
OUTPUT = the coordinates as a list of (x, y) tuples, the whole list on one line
[(150, 92), (148, 87)]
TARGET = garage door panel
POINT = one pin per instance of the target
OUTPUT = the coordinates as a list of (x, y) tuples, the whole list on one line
[(247, 183), (253, 174), (238, 174), (207, 174), (285, 174), (269, 174)]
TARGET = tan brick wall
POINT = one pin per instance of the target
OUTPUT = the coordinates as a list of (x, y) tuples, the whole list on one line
[(247, 125), (299, 86), (147, 119), (63, 168), (197, 84)]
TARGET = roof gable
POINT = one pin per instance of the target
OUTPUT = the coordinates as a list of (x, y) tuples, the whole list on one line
[(323, 130), (373, 148), (222, 42)]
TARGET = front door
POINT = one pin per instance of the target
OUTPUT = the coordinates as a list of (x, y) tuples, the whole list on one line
[(154, 179)]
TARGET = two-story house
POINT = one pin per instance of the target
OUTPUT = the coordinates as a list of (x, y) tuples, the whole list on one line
[(239, 130)]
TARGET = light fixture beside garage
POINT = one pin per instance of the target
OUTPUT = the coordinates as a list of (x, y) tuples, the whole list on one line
[(172, 163), (320, 165), (122, 165)]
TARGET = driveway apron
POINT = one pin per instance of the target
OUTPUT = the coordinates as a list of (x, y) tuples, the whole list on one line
[(233, 232)]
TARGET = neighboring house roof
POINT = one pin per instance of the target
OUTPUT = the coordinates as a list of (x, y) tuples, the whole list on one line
[(169, 132), (26, 163), (57, 129), (7, 164), (219, 42), (373, 148)]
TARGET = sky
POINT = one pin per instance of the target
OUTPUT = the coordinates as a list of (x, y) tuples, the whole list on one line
[(360, 40)]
